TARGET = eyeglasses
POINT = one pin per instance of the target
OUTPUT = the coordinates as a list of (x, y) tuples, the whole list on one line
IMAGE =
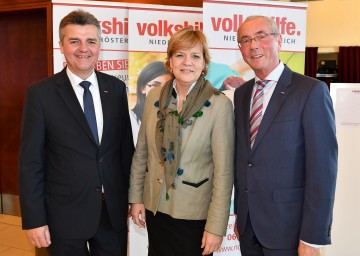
[(261, 37)]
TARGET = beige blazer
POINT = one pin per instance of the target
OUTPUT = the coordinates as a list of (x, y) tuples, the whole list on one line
[(203, 189)]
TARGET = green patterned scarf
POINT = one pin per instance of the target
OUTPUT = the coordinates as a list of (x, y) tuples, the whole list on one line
[(168, 130)]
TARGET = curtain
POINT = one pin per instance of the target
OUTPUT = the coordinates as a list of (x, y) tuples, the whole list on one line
[(311, 61), (349, 64)]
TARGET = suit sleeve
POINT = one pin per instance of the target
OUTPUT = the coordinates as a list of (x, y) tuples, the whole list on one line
[(140, 159), (236, 112), (222, 145), (321, 166), (31, 163), (127, 149)]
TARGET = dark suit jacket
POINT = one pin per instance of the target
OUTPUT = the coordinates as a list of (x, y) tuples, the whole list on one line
[(61, 168), (286, 182)]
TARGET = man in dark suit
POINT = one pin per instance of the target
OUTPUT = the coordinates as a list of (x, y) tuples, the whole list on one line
[(74, 171), (286, 152)]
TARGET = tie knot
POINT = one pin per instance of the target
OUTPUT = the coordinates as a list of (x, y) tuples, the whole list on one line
[(85, 85), (262, 83)]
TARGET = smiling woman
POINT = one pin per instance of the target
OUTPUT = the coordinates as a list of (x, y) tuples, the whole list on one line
[(182, 171), (186, 66)]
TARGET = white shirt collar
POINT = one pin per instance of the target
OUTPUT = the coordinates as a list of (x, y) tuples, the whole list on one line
[(275, 74), (191, 87), (75, 80)]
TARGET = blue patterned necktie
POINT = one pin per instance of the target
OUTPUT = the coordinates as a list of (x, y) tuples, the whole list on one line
[(256, 110), (89, 109)]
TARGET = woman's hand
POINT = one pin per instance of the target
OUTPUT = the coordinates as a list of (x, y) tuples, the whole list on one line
[(137, 212), (210, 243)]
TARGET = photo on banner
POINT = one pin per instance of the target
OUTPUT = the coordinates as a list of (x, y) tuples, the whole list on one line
[(221, 20), (150, 28), (113, 18)]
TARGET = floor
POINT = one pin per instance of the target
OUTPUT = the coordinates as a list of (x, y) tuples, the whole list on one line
[(12, 238)]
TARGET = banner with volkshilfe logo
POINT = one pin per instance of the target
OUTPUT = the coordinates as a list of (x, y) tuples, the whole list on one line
[(150, 28), (221, 20), (113, 18)]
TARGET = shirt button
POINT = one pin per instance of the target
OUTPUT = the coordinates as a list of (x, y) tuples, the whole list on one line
[(160, 181), (100, 159)]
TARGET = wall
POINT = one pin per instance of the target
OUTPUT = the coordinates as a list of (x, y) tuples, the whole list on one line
[(23, 62), (333, 23)]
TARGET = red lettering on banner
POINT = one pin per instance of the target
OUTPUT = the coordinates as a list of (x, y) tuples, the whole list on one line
[(167, 29), (227, 24), (141, 28), (291, 28), (285, 27), (231, 237), (229, 248), (115, 26), (231, 226), (104, 65), (152, 29), (216, 24), (106, 27), (177, 27), (164, 28), (196, 26)]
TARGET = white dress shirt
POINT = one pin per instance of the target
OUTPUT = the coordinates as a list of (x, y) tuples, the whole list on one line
[(94, 89), (269, 88)]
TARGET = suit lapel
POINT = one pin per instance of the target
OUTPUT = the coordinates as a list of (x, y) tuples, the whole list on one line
[(66, 92), (105, 104), (246, 106), (279, 95)]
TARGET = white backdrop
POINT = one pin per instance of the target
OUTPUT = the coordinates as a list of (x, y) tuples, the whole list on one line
[(346, 223), (113, 18)]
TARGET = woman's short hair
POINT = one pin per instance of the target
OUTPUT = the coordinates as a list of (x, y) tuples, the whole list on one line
[(186, 38)]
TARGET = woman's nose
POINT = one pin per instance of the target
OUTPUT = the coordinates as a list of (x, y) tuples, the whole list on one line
[(187, 60)]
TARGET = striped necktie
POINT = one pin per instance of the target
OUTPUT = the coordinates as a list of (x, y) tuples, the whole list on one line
[(89, 109), (256, 110)]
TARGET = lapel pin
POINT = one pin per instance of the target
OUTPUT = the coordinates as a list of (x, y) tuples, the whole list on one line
[(106, 91), (283, 93)]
